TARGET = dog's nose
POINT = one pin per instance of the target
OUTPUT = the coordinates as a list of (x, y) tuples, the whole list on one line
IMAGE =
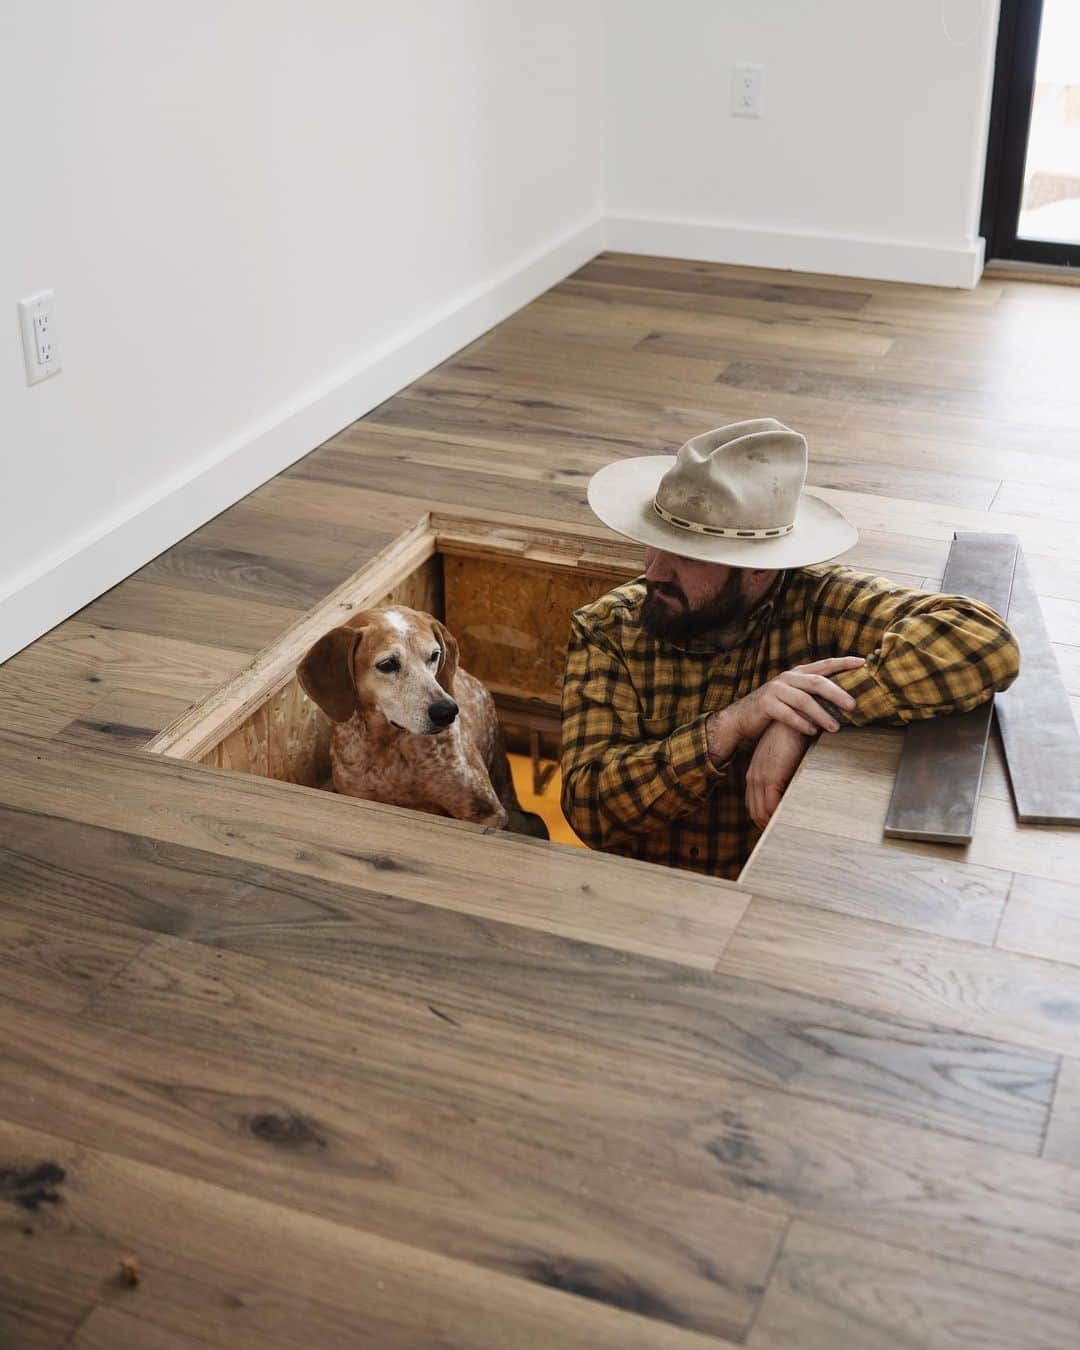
[(443, 712)]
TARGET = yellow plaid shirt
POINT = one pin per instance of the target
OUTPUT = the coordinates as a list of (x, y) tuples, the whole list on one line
[(637, 778)]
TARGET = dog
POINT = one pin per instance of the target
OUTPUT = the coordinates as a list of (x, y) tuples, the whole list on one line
[(411, 728)]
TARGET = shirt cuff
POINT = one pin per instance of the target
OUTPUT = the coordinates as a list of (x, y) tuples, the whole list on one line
[(873, 703), (688, 756)]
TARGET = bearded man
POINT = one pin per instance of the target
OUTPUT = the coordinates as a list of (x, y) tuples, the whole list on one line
[(692, 692)]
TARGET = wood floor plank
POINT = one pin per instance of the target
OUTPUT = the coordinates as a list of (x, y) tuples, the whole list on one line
[(833, 1290), (449, 1180), (90, 660), (48, 964), (124, 717), (589, 426), (341, 545), (931, 895), (1039, 499), (773, 1149), (1041, 740), (41, 707), (464, 964), (308, 502), (825, 1049), (1018, 999), (588, 896), (1042, 918), (989, 402), (285, 582), (459, 487), (35, 1315), (828, 801), (1063, 1134), (936, 791), (157, 607), (117, 1328), (304, 1276), (931, 520), (502, 1097), (626, 273)]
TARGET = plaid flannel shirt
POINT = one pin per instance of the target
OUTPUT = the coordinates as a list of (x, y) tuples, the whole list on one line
[(637, 777)]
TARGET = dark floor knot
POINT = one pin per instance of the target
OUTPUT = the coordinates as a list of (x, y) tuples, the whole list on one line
[(32, 1187), (600, 1283), (286, 1131)]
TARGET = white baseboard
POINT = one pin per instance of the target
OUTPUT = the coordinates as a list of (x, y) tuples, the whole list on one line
[(835, 255), (39, 599)]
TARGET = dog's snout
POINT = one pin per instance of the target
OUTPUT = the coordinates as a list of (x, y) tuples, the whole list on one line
[(443, 712)]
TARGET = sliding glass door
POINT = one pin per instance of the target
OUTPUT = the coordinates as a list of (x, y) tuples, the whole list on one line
[(1031, 201)]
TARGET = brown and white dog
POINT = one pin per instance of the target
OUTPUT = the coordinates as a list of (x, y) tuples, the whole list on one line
[(410, 727)]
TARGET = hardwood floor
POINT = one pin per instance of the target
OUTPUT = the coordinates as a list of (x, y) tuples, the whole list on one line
[(335, 1074)]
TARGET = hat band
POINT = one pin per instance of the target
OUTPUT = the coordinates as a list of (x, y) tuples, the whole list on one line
[(720, 530)]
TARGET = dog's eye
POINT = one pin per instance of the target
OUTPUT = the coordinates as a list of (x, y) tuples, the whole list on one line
[(433, 657), (389, 665)]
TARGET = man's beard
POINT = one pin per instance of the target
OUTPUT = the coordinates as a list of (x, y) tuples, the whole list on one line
[(724, 612)]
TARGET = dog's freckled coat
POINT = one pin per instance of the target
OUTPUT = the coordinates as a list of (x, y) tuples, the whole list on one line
[(385, 745)]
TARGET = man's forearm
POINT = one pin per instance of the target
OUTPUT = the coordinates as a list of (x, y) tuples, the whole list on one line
[(722, 736)]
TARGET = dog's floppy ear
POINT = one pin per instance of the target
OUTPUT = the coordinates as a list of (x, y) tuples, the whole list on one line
[(449, 663), (326, 673)]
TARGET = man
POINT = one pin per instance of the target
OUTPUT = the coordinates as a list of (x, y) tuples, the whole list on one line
[(692, 693)]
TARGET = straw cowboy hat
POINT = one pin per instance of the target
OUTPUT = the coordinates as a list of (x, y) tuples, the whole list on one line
[(733, 495)]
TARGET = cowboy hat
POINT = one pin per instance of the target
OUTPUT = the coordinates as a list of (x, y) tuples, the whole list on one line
[(733, 495)]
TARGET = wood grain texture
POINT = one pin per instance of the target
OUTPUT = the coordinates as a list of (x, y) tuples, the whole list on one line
[(1063, 1134), (1042, 918), (124, 718), (950, 984), (931, 894), (305, 1275), (1041, 740), (776, 1150), (936, 792), (47, 965), (205, 616), (833, 1290), (499, 1096), (458, 963), (443, 1179), (590, 896)]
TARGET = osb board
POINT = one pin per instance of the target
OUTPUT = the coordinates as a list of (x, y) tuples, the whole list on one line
[(287, 736), (512, 621)]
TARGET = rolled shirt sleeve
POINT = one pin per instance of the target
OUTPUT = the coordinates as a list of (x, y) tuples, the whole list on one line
[(926, 654)]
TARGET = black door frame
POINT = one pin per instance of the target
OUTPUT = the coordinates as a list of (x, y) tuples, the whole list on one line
[(1010, 121)]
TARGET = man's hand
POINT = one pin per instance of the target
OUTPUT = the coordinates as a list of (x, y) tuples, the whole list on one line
[(792, 700), (772, 767)]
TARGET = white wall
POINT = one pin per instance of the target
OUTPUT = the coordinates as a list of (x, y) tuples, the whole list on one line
[(259, 217), (262, 217), (868, 160)]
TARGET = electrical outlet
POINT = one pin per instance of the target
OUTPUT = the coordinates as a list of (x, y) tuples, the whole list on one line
[(746, 83), (38, 324)]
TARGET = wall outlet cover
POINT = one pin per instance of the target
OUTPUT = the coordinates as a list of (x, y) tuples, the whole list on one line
[(37, 323)]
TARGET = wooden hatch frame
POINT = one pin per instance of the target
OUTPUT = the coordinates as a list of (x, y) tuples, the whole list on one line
[(260, 721)]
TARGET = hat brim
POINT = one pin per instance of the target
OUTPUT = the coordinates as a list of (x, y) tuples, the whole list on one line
[(621, 495)]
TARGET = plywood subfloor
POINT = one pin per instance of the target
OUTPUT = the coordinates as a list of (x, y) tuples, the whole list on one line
[(335, 1075)]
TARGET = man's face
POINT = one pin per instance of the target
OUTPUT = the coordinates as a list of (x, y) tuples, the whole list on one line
[(686, 599)]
